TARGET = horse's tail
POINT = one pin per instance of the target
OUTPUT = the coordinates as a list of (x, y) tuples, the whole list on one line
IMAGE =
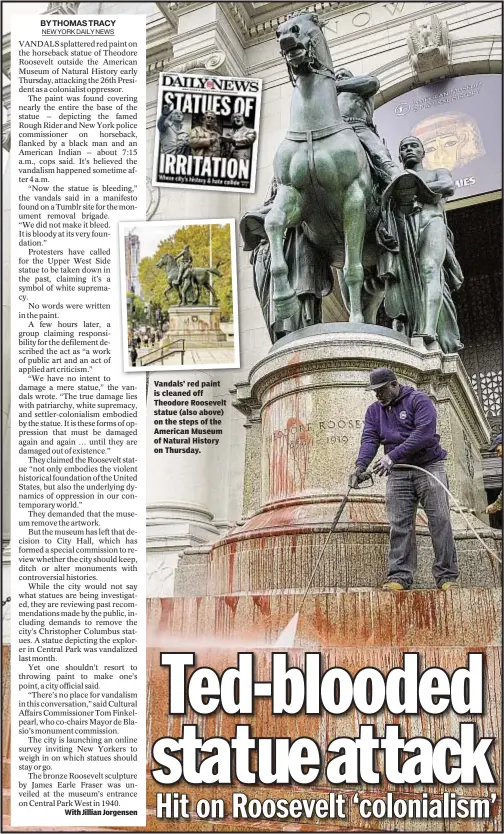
[(214, 270)]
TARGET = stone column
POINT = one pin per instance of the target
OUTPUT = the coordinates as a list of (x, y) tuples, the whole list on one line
[(179, 496)]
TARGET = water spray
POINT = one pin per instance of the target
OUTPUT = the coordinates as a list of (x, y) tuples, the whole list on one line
[(288, 635)]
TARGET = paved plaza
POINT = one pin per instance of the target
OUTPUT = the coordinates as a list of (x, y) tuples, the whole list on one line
[(214, 355)]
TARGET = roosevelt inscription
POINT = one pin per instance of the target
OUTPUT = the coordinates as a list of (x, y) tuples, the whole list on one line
[(329, 430)]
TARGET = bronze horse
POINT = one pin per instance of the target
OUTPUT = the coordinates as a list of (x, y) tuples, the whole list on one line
[(324, 183), (195, 278)]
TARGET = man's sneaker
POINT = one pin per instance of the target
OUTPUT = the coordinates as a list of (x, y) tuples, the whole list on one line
[(447, 586), (393, 586)]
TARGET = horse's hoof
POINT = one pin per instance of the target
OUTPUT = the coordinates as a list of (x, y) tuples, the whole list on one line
[(285, 308), (428, 337), (356, 318)]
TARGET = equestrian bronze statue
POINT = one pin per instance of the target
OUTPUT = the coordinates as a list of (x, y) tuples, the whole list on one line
[(338, 201), (325, 207), (188, 282)]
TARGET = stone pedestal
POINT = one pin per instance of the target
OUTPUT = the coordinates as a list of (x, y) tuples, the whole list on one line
[(305, 403), (310, 394), (199, 326), (178, 499)]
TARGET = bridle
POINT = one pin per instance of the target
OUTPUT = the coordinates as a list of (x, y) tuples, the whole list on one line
[(315, 64)]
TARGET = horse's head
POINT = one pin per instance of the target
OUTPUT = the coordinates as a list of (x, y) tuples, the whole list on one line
[(302, 43), (165, 260)]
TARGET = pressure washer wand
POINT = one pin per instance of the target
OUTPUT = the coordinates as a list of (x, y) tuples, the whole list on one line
[(288, 635), (365, 476)]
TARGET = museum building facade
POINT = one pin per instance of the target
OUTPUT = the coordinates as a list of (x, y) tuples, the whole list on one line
[(434, 58)]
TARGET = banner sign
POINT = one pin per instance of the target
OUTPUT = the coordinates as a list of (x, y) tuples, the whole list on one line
[(459, 122)]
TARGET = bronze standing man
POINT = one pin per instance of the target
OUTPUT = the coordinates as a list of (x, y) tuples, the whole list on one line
[(418, 260), (205, 139), (173, 136), (242, 138)]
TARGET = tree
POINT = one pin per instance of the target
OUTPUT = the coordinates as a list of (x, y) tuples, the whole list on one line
[(153, 280), (136, 311)]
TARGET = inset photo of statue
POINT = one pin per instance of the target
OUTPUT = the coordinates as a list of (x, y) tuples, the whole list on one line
[(179, 295)]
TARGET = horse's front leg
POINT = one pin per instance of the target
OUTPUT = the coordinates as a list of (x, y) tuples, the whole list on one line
[(354, 225), (284, 213)]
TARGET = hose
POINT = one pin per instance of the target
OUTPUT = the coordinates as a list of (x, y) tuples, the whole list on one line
[(419, 469)]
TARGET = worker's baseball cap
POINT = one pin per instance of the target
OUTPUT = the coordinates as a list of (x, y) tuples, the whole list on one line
[(380, 377), (497, 442)]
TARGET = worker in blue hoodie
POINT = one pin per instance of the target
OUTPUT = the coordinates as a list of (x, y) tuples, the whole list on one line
[(404, 421)]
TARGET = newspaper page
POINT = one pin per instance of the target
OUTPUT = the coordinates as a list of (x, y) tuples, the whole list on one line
[(207, 132), (252, 428), (78, 476)]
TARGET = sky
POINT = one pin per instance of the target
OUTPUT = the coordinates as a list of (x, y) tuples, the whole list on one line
[(151, 234)]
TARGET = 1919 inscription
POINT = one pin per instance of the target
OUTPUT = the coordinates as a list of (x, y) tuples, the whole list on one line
[(296, 432)]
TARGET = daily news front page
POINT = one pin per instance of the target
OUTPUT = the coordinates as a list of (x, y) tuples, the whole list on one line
[(195, 634)]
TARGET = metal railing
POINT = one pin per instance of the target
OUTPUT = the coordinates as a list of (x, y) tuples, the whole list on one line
[(162, 352)]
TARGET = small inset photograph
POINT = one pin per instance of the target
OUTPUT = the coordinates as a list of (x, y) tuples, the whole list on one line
[(179, 295)]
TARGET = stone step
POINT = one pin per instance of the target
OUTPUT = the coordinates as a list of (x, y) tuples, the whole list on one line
[(355, 618)]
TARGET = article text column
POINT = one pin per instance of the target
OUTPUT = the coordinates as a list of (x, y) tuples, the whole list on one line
[(78, 526)]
